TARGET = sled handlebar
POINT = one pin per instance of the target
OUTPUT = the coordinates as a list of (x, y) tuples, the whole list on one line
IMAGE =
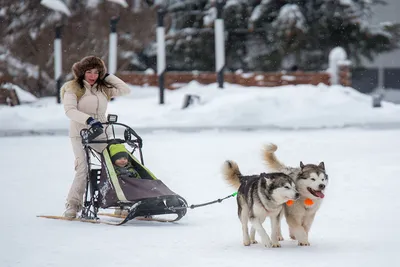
[(92, 132)]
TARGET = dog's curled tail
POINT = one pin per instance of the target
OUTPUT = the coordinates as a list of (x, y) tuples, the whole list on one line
[(270, 159), (232, 173)]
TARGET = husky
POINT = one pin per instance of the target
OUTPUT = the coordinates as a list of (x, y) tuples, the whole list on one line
[(311, 181), (260, 196)]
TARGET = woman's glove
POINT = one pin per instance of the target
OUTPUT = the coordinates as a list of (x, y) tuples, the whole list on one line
[(94, 123)]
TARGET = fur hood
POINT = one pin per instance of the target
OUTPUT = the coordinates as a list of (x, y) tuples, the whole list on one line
[(74, 87), (90, 62)]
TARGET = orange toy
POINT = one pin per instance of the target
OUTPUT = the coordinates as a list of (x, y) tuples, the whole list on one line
[(289, 202), (308, 202)]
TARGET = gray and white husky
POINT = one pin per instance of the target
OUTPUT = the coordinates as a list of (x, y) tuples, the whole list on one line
[(260, 196), (311, 181)]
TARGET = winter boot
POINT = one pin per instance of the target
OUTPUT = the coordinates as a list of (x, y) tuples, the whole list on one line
[(71, 211)]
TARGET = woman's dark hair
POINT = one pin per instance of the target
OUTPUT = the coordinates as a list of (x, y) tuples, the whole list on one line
[(87, 63)]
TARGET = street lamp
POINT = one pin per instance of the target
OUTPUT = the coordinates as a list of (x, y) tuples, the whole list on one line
[(57, 6), (219, 44)]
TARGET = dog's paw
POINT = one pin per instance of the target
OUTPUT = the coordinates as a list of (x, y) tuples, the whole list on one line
[(280, 238), (304, 244), (246, 243), (292, 237), (277, 245), (254, 241), (268, 244)]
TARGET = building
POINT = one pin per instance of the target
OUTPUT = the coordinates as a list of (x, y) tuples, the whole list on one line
[(384, 71)]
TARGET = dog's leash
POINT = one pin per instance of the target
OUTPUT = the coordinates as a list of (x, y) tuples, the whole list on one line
[(212, 202), (193, 206)]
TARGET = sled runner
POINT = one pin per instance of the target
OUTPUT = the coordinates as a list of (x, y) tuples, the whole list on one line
[(144, 198)]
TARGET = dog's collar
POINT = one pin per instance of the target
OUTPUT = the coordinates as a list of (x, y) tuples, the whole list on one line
[(307, 202)]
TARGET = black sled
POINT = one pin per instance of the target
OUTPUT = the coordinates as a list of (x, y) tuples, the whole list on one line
[(143, 199)]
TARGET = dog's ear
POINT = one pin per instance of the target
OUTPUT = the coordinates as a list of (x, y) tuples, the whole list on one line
[(301, 165), (321, 165)]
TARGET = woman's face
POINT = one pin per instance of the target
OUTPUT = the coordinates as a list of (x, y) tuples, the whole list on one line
[(91, 76)]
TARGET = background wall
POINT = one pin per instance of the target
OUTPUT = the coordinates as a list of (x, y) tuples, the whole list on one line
[(390, 12), (366, 79)]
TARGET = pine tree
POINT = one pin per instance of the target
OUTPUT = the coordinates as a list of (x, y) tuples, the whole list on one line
[(27, 34), (275, 34)]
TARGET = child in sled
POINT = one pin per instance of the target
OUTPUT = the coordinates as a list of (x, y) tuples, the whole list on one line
[(120, 159), (123, 168)]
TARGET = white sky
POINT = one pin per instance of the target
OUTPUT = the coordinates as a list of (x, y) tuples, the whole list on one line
[(357, 224)]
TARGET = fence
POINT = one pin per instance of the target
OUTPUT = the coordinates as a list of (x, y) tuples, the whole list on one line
[(174, 80)]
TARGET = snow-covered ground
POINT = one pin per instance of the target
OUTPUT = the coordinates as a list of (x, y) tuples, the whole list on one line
[(234, 107), (356, 226)]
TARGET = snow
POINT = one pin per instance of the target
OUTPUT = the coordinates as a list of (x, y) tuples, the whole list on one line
[(337, 56), (92, 3), (357, 224), (23, 96), (256, 14), (123, 3), (14, 64), (230, 3), (56, 5), (290, 16), (234, 107), (346, 2), (288, 78)]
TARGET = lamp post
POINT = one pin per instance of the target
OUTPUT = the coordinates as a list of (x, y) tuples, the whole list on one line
[(113, 41), (219, 44), (58, 6), (161, 58), (58, 62)]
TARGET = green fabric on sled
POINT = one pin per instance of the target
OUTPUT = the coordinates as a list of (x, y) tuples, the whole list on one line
[(123, 190), (144, 173)]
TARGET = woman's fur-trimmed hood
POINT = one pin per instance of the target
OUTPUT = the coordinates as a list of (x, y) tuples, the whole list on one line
[(74, 87), (90, 62)]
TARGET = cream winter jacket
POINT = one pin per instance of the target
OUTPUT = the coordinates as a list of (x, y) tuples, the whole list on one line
[(92, 103)]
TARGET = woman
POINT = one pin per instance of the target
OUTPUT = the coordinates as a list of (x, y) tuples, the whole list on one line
[(85, 102)]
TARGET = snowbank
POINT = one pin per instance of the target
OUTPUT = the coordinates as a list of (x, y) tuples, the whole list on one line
[(290, 107)]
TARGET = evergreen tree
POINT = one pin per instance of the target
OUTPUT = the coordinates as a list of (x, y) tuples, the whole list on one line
[(27, 34), (275, 34)]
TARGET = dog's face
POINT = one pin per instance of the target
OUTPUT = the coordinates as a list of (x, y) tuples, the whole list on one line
[(281, 188), (312, 180)]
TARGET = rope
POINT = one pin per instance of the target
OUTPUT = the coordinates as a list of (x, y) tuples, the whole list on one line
[(212, 202)]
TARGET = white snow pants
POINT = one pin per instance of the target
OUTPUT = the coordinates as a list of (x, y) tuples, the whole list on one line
[(77, 190)]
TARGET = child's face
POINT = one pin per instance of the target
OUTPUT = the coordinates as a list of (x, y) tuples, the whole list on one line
[(121, 162)]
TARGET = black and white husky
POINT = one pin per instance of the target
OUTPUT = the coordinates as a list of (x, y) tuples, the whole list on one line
[(260, 196), (311, 181)]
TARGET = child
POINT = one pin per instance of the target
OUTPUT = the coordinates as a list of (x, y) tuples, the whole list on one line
[(122, 167), (120, 160)]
